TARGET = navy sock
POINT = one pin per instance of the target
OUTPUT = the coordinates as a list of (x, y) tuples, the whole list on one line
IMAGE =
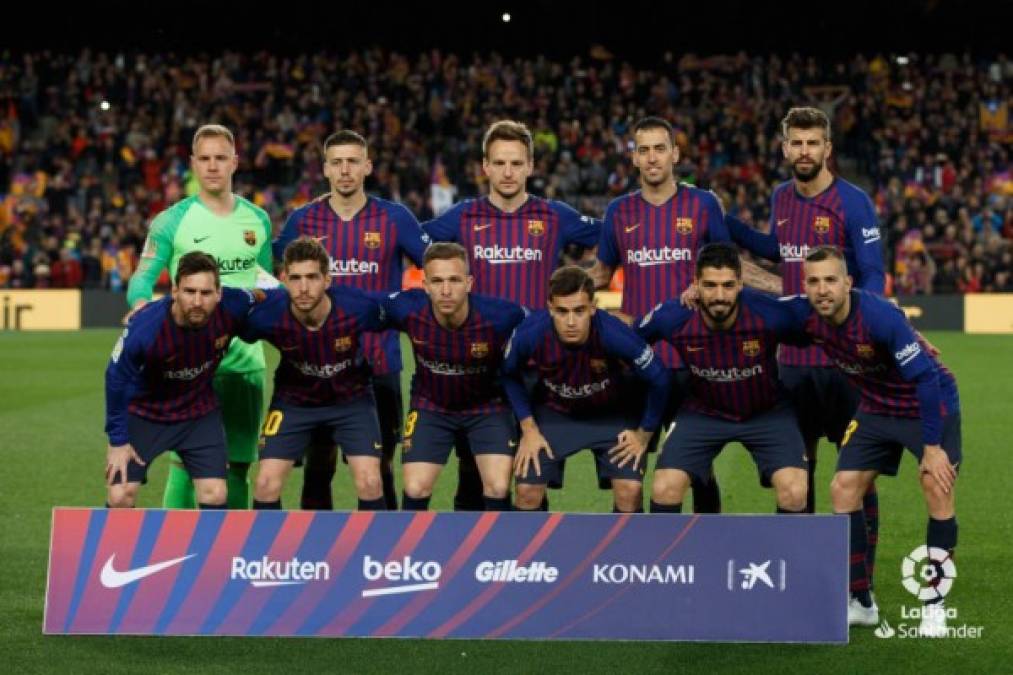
[(870, 505), (810, 455), (414, 504), (941, 534), (267, 506), (858, 573), (211, 507), (707, 496), (497, 503), (378, 504), (665, 508), (786, 511)]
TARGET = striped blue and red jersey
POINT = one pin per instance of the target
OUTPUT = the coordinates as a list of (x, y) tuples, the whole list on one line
[(656, 247), (841, 216), (894, 369), (162, 371), (512, 255), (366, 252), (456, 370), (325, 365), (583, 379), (733, 372)]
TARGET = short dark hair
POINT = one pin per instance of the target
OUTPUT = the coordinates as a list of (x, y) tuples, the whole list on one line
[(346, 137), (717, 255), (569, 280), (445, 250), (196, 262), (806, 118), (508, 130), (648, 123), (306, 249), (825, 252)]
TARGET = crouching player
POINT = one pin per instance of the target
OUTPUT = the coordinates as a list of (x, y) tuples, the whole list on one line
[(729, 347), (159, 393), (584, 396), (322, 384), (458, 339)]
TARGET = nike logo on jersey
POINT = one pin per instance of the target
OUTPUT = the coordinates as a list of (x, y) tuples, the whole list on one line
[(782, 221), (290, 349), (197, 240), (694, 349), (511, 444), (479, 228), (110, 578), (629, 229), (378, 446)]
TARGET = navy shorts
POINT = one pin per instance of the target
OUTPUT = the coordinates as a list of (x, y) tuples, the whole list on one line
[(876, 442), (289, 428), (429, 435), (824, 399), (771, 437), (200, 443), (568, 435)]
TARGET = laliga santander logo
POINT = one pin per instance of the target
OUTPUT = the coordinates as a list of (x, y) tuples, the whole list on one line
[(928, 573)]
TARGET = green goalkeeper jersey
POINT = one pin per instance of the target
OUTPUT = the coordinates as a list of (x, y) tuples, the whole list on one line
[(239, 242)]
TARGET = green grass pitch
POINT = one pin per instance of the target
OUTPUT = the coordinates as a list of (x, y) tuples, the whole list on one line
[(51, 418)]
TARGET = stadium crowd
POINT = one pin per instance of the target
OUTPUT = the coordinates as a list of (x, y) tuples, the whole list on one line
[(93, 144)]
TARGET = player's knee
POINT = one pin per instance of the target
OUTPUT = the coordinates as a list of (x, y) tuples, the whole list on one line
[(122, 497), (791, 495), (267, 488), (669, 486), (368, 484), (418, 488), (628, 495), (846, 491), (211, 492), (529, 497), (939, 502)]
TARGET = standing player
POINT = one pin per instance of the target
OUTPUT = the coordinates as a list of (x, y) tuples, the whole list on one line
[(813, 209), (514, 239), (159, 392), (654, 234), (322, 382), (458, 339), (583, 396), (367, 239), (907, 399), (729, 347), (237, 234)]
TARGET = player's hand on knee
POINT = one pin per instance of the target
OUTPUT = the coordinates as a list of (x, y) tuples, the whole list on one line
[(632, 443), (117, 459), (936, 464), (531, 445)]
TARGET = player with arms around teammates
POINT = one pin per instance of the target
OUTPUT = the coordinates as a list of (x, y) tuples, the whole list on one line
[(367, 239), (159, 392), (237, 234), (322, 385)]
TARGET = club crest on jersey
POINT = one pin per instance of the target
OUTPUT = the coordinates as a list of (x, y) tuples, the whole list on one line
[(751, 347), (865, 351), (821, 224), (598, 365), (479, 350), (371, 239), (683, 225), (222, 342), (536, 228), (342, 344), (250, 237)]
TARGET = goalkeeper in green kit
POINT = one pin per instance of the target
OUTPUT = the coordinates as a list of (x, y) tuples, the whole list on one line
[(238, 235)]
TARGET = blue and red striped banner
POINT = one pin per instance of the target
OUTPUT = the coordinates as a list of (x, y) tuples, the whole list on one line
[(448, 575)]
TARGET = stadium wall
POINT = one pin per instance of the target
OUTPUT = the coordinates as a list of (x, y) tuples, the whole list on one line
[(73, 309)]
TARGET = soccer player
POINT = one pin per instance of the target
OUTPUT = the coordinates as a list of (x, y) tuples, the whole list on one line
[(237, 234), (159, 392), (322, 383), (514, 239), (458, 339), (583, 396), (729, 347), (367, 239), (907, 399), (817, 208), (653, 233)]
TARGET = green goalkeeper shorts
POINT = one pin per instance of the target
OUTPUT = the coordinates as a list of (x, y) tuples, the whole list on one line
[(242, 399)]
